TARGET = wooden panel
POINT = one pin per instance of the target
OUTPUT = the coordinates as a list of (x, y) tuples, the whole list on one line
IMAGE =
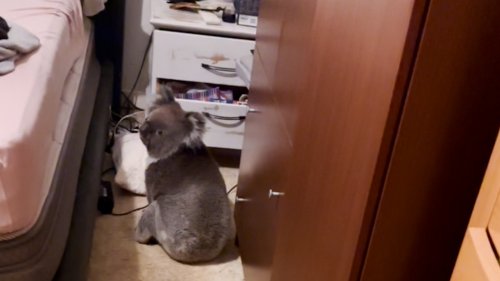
[(356, 50), (487, 210), (271, 15), (263, 162), (267, 140), (450, 122), (476, 261), (293, 58), (488, 200), (494, 224)]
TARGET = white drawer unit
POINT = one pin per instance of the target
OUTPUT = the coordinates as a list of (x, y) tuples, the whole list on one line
[(225, 123), (207, 59), (198, 58)]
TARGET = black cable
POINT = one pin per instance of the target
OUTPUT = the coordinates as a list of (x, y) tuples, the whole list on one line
[(130, 102), (125, 128), (232, 188), (113, 128), (129, 212), (130, 129), (116, 114), (107, 171), (150, 40), (143, 207)]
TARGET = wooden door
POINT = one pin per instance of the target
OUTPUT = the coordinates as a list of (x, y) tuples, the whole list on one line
[(265, 152), (348, 95), (448, 127), (280, 56), (264, 158), (361, 137)]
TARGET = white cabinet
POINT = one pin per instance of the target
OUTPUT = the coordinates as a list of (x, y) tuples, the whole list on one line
[(188, 57), (195, 57), (225, 123)]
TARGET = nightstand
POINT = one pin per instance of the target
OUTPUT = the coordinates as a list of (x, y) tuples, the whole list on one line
[(185, 49)]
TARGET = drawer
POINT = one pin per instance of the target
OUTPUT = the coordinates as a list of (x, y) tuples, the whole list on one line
[(225, 123), (182, 56)]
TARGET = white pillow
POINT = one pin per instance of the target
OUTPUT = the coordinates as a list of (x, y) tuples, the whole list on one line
[(129, 156)]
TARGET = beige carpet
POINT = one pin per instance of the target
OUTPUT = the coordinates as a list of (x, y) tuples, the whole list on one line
[(117, 257)]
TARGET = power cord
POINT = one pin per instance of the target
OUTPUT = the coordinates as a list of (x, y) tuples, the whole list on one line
[(131, 104), (232, 188), (143, 207), (129, 212), (107, 171), (144, 57), (116, 125), (106, 203), (123, 118)]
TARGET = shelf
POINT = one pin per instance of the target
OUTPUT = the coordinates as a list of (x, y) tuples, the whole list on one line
[(162, 17)]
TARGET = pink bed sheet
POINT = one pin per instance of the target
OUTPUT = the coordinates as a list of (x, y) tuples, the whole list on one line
[(30, 100)]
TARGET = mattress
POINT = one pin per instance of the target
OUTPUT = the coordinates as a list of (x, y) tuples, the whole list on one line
[(36, 101)]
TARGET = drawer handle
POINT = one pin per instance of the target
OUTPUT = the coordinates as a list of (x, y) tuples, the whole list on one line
[(215, 119), (221, 71), (218, 68), (211, 108), (218, 117)]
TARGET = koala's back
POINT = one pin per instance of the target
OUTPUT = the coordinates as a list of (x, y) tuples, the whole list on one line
[(193, 209)]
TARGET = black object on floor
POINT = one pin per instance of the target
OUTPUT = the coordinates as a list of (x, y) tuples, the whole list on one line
[(106, 203)]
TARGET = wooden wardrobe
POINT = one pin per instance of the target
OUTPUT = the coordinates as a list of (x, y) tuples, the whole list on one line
[(371, 128)]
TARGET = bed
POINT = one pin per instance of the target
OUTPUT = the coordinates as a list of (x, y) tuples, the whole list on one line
[(49, 158)]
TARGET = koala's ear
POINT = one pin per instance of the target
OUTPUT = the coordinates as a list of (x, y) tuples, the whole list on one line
[(165, 95), (198, 122), (197, 127)]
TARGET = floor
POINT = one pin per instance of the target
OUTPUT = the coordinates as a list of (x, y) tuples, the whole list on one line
[(117, 257)]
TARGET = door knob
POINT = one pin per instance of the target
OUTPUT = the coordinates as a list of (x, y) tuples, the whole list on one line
[(253, 110), (241, 199), (275, 194)]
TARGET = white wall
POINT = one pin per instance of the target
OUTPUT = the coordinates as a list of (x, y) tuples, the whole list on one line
[(136, 35)]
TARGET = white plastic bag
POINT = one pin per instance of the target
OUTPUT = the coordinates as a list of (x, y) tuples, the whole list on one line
[(129, 156)]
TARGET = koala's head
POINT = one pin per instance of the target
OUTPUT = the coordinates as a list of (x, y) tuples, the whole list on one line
[(167, 127)]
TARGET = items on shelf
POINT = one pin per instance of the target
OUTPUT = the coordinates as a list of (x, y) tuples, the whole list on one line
[(211, 94), (247, 11), (206, 92), (194, 7), (212, 11)]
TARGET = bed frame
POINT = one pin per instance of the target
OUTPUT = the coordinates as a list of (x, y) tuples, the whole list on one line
[(36, 255), (108, 28), (58, 246)]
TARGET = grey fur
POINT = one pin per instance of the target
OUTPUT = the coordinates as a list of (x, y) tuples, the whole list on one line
[(189, 213)]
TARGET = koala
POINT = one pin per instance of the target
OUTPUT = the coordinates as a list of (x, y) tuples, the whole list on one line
[(189, 213)]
